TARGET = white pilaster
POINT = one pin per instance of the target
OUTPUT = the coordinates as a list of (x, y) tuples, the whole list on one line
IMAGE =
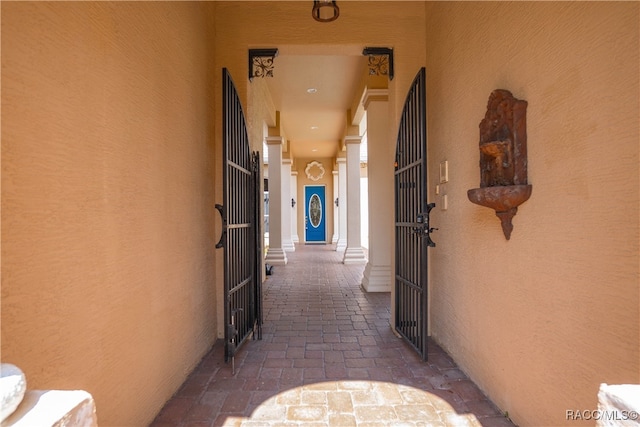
[(294, 210), (287, 242), (336, 219), (378, 274), (341, 244), (275, 253), (354, 254)]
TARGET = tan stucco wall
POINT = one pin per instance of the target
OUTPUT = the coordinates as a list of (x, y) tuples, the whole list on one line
[(107, 200), (541, 320)]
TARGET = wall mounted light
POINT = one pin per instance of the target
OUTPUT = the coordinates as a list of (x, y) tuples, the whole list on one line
[(293, 203), (336, 202), (325, 10)]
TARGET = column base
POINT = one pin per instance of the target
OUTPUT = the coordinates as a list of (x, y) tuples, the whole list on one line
[(341, 245), (288, 246), (334, 239), (354, 256), (275, 256), (376, 278), (295, 239)]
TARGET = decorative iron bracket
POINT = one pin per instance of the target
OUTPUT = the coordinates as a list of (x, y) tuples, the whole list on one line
[(261, 62), (380, 61)]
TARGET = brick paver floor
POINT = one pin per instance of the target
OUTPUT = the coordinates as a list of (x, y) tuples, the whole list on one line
[(327, 357)]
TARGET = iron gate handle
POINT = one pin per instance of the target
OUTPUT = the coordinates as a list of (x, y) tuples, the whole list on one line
[(424, 230), (221, 242)]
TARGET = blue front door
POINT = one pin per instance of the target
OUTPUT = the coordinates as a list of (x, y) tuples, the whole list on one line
[(314, 214)]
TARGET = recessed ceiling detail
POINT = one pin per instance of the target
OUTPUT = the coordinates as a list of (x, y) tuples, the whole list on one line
[(380, 61), (261, 62)]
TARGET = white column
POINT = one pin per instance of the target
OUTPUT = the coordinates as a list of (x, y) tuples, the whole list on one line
[(378, 274), (287, 242), (275, 253), (354, 254), (341, 245), (294, 211), (336, 218)]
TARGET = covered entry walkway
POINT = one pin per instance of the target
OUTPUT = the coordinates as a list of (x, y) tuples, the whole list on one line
[(327, 357)]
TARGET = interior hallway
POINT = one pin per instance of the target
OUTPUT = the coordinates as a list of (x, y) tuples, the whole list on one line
[(327, 357)]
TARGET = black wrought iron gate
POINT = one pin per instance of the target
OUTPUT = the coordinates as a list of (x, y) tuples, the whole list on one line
[(412, 219), (241, 226)]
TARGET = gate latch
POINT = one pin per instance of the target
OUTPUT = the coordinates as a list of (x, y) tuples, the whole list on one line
[(424, 230)]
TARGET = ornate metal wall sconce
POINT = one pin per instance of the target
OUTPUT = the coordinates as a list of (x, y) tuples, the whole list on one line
[(325, 10), (293, 203), (503, 158)]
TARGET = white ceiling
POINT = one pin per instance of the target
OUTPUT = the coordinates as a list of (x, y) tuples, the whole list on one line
[(314, 123)]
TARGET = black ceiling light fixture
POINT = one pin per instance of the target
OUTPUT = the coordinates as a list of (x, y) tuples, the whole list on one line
[(325, 10)]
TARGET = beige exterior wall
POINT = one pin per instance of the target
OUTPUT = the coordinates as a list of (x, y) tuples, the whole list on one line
[(107, 200), (541, 320)]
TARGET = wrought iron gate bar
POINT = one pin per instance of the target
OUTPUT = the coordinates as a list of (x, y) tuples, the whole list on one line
[(408, 283), (236, 226), (409, 166), (239, 286), (239, 168)]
